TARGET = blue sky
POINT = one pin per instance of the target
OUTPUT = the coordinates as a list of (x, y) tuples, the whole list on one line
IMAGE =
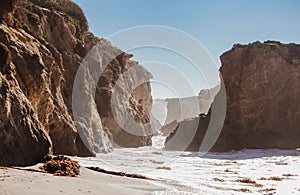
[(217, 24)]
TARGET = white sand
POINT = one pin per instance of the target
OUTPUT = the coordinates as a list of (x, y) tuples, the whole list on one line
[(13, 181), (193, 174)]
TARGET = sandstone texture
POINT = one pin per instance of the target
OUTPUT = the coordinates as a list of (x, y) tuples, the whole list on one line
[(42, 44), (262, 82)]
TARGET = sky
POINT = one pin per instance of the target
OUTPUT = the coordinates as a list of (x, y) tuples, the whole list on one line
[(215, 24)]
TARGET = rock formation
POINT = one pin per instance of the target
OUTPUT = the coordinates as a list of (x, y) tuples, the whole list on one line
[(180, 109), (6, 11), (42, 44), (22, 136), (206, 98), (262, 83), (185, 108)]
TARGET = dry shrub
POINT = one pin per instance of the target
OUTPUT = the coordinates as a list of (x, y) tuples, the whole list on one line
[(230, 171), (246, 180), (217, 179), (262, 178), (245, 190), (98, 169), (258, 185), (249, 181), (275, 178), (61, 166), (289, 175), (267, 190), (165, 168), (156, 162)]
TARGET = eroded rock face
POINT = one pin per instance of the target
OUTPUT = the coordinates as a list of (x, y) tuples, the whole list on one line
[(41, 52), (6, 11), (39, 78), (136, 104), (262, 83), (23, 139)]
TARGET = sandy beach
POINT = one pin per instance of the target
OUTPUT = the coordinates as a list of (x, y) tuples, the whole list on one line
[(15, 181)]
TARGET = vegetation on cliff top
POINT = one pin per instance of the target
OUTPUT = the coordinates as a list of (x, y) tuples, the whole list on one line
[(70, 10), (66, 6)]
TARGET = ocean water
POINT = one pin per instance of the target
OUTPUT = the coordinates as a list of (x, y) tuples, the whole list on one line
[(274, 171)]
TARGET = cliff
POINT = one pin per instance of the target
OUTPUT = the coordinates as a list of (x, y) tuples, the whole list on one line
[(263, 93), (42, 44)]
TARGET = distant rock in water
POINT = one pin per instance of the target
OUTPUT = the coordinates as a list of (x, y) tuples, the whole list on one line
[(262, 82), (180, 109), (206, 98), (42, 44), (184, 108)]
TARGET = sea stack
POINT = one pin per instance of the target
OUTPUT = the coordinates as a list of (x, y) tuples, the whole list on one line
[(262, 82)]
